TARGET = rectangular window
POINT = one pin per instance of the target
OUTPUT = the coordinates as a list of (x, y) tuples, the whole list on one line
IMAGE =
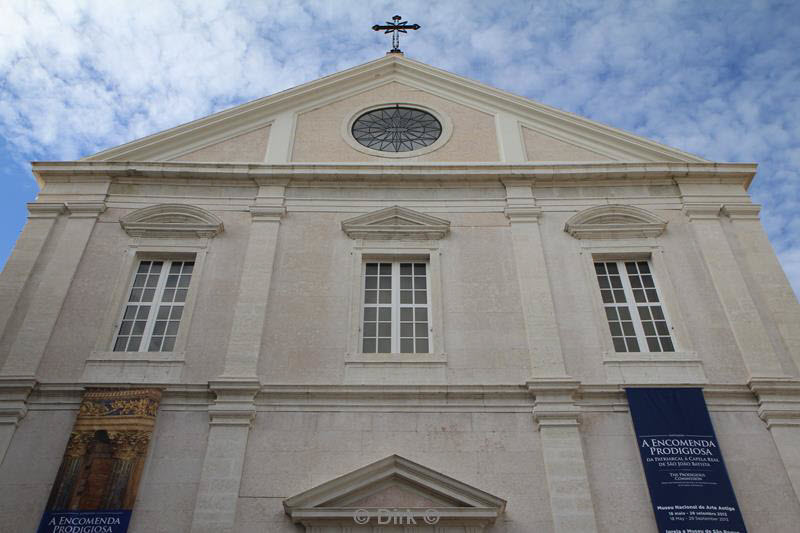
[(396, 308), (154, 307), (633, 308)]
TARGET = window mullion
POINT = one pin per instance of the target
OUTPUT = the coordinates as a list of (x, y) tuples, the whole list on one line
[(632, 306), (395, 307), (157, 295)]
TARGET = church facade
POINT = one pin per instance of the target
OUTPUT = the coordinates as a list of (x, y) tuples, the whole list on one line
[(391, 299)]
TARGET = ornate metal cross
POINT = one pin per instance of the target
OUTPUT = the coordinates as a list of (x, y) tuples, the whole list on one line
[(396, 28)]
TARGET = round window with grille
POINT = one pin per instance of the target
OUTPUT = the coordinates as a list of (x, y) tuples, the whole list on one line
[(396, 129)]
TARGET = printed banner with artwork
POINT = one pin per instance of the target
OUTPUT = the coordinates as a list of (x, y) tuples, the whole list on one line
[(96, 485), (689, 485)]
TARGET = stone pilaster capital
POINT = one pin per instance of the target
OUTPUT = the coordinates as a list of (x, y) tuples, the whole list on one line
[(235, 400), (14, 392), (45, 209), (701, 211), (554, 401), (778, 400), (85, 209), (267, 213), (523, 213), (741, 211)]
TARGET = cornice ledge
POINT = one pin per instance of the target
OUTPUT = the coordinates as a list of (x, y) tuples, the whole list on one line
[(778, 400), (702, 211), (460, 171), (741, 211), (45, 209)]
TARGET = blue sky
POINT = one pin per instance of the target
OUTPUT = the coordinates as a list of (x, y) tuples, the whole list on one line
[(720, 79)]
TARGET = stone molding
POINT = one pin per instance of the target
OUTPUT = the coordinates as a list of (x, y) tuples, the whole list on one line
[(85, 209), (171, 221), (14, 393), (554, 401), (396, 223), (455, 502), (234, 404), (267, 213), (741, 211), (546, 175), (778, 400), (45, 209), (702, 211), (615, 221), (518, 214)]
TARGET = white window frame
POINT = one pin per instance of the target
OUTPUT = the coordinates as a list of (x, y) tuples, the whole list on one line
[(679, 367), (633, 306), (155, 303), (395, 304), (396, 252)]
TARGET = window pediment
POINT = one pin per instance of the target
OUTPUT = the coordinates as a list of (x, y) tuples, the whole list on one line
[(171, 220), (615, 222), (396, 223), (394, 483)]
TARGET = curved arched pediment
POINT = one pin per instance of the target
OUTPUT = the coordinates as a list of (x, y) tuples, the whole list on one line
[(171, 220), (615, 222)]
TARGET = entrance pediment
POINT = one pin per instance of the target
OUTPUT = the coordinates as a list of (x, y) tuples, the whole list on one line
[(394, 492)]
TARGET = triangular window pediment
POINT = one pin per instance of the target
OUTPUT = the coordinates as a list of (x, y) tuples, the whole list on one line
[(396, 223), (398, 489), (171, 221), (615, 222)]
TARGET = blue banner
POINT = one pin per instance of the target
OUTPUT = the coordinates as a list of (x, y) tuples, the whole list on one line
[(689, 485), (85, 521)]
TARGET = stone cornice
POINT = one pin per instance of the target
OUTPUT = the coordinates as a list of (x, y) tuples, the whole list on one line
[(778, 400), (542, 174)]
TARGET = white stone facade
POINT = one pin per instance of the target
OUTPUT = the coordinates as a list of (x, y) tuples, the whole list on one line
[(518, 410)]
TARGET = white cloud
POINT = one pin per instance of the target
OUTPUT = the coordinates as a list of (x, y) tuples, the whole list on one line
[(82, 75)]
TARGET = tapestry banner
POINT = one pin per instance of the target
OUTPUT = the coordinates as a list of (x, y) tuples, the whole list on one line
[(689, 485), (97, 482)]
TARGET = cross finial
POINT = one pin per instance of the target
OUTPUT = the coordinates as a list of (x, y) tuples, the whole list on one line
[(396, 28)]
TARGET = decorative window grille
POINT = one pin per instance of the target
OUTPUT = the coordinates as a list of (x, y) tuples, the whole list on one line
[(633, 308), (154, 308), (396, 308)]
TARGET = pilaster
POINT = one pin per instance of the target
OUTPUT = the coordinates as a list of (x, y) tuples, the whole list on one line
[(233, 411), (14, 391), (558, 419), (544, 342), (41, 220), (774, 293), (230, 418), (31, 340), (748, 330), (779, 407)]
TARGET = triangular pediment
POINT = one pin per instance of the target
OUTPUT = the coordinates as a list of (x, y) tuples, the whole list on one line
[(398, 484), (396, 223), (615, 222), (545, 134)]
